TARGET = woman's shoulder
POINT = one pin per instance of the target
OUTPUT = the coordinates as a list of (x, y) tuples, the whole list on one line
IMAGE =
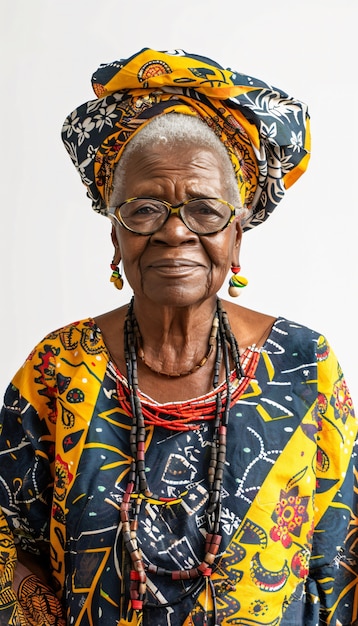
[(59, 354), (69, 336), (74, 338), (295, 337), (252, 327)]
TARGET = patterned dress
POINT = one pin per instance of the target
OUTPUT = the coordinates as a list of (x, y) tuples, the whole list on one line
[(287, 498)]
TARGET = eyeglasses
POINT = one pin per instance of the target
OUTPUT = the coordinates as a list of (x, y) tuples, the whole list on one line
[(203, 216)]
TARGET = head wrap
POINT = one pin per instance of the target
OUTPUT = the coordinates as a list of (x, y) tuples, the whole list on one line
[(265, 132)]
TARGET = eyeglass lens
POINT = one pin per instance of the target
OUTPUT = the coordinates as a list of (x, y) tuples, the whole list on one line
[(202, 216)]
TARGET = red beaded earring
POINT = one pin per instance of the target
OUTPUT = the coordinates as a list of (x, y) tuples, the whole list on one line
[(116, 277), (236, 283)]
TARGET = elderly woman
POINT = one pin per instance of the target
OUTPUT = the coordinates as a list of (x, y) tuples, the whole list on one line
[(180, 460)]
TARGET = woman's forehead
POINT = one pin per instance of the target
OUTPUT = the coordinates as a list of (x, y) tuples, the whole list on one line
[(192, 166), (175, 153)]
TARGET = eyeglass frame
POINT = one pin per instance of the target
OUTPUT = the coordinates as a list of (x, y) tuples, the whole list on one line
[(173, 210)]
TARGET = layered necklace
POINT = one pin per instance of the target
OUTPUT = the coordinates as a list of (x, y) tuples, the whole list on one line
[(138, 490)]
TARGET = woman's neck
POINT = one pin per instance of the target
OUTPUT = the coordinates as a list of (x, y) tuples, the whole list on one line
[(175, 340)]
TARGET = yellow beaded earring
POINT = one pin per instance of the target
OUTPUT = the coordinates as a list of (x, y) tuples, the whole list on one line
[(116, 277), (236, 283)]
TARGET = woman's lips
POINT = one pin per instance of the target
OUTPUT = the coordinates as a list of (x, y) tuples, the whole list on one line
[(175, 266), (174, 263)]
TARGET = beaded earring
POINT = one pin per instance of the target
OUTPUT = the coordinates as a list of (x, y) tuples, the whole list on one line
[(116, 277), (236, 283)]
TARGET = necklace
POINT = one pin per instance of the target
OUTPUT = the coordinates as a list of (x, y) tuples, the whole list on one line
[(212, 340), (138, 490)]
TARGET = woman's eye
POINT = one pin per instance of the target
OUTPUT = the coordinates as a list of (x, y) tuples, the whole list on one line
[(145, 209), (203, 209)]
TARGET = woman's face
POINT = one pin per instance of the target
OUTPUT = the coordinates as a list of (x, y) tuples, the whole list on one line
[(174, 266)]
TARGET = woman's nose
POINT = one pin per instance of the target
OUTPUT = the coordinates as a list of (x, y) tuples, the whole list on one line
[(174, 232)]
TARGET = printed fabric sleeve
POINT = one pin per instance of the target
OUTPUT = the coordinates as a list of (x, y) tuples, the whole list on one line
[(331, 592), (35, 602), (26, 479)]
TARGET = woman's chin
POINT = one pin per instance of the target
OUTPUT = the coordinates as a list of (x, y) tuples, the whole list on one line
[(177, 294)]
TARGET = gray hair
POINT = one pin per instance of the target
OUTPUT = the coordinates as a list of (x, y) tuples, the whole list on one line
[(174, 129)]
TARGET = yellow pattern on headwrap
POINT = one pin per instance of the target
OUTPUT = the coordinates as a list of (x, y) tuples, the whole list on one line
[(150, 69)]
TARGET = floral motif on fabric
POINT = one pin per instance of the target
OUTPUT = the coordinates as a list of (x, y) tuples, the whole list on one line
[(290, 513)]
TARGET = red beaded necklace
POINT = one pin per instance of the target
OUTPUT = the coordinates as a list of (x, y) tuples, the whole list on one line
[(138, 490)]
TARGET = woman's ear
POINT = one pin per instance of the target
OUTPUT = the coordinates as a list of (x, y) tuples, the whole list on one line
[(117, 252), (237, 246)]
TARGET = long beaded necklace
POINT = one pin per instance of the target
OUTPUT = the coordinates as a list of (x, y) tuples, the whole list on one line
[(137, 488)]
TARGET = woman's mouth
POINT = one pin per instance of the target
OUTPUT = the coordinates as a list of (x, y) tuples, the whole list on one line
[(173, 263), (174, 267)]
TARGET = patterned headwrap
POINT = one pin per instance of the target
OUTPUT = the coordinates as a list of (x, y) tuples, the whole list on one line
[(265, 132)]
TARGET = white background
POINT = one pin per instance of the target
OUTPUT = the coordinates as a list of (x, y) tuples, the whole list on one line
[(55, 251)]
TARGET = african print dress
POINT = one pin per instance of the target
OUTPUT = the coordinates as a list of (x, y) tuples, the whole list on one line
[(286, 498)]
